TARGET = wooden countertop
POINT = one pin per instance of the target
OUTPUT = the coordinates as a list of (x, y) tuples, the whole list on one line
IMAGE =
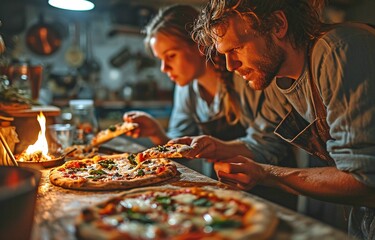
[(56, 209)]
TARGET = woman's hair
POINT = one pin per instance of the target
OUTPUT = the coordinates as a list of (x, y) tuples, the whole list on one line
[(303, 16), (178, 21)]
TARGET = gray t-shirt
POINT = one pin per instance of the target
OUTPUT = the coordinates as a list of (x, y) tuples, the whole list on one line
[(189, 108), (343, 67)]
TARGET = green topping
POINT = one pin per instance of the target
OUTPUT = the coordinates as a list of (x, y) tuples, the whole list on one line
[(140, 172), (96, 177), (165, 202), (139, 217), (112, 128), (163, 199), (162, 148), (218, 224), (132, 160), (109, 164), (97, 172), (202, 202)]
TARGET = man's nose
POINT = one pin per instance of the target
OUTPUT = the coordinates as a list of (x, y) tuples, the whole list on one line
[(231, 63)]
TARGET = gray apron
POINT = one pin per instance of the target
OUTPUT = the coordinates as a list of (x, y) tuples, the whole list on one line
[(312, 137), (220, 129)]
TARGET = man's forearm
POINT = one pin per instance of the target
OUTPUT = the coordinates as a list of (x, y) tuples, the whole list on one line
[(327, 184)]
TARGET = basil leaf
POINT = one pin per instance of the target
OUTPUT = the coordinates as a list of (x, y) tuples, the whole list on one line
[(97, 172), (132, 160), (202, 202), (112, 128), (218, 224), (139, 217)]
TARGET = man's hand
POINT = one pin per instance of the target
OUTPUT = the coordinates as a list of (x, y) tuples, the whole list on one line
[(240, 172), (212, 148)]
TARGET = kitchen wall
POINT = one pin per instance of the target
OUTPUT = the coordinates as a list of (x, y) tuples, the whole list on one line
[(108, 39)]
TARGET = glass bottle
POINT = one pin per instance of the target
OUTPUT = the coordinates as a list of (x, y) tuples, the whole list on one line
[(20, 79), (84, 119)]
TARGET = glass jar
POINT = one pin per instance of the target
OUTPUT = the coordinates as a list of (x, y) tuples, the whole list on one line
[(84, 119)]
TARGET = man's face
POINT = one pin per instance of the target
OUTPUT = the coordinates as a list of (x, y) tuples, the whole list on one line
[(256, 58)]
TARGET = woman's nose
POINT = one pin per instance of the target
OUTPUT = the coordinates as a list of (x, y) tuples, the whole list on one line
[(164, 67)]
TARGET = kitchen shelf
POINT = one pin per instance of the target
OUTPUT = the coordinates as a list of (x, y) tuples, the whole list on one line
[(119, 104)]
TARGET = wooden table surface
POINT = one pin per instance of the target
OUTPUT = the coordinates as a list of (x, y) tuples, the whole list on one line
[(56, 209)]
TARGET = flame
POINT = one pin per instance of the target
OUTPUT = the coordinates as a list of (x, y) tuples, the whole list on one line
[(41, 143)]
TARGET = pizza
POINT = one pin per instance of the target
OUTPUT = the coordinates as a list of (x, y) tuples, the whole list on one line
[(169, 150), (111, 172), (177, 213), (112, 132)]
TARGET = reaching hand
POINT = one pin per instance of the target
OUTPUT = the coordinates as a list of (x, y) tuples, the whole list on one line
[(148, 127), (203, 146), (240, 172)]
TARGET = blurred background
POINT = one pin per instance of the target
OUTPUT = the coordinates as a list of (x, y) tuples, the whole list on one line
[(99, 54)]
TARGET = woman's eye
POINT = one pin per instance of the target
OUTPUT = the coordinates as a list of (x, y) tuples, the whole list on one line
[(171, 56)]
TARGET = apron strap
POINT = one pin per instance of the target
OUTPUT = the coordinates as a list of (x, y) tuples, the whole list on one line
[(319, 108)]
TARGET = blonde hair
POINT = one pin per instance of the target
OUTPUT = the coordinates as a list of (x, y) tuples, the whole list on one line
[(178, 20)]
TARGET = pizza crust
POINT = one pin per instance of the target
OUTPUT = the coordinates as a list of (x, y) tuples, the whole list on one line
[(112, 132), (260, 221)]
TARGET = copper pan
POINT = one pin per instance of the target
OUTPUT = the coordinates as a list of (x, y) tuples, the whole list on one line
[(43, 38)]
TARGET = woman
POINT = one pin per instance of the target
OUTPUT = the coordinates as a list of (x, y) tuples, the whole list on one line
[(208, 100), (205, 101)]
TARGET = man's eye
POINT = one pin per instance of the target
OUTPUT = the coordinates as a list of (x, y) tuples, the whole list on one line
[(236, 49)]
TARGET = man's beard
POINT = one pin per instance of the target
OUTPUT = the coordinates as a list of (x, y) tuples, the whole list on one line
[(268, 66)]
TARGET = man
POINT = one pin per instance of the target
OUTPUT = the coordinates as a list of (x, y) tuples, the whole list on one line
[(327, 73)]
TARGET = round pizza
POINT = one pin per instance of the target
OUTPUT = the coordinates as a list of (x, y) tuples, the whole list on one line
[(177, 213), (122, 171)]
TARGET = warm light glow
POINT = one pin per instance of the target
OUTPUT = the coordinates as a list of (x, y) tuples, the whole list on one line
[(41, 143), (76, 5)]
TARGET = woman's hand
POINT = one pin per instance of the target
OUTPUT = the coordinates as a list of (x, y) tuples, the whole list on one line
[(148, 127), (203, 146)]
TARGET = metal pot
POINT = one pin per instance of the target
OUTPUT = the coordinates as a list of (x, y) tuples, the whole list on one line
[(18, 191)]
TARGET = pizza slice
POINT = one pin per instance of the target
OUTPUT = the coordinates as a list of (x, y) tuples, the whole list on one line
[(169, 150), (112, 132)]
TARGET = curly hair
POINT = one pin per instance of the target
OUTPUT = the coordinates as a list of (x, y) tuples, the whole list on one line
[(303, 17), (178, 20)]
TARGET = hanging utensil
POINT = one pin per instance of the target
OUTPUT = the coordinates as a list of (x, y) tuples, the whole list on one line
[(43, 38), (90, 69), (74, 56)]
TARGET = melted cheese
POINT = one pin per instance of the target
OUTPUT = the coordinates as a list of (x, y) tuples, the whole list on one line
[(142, 205), (185, 198)]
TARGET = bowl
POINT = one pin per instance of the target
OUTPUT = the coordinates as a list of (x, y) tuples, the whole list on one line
[(18, 191)]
